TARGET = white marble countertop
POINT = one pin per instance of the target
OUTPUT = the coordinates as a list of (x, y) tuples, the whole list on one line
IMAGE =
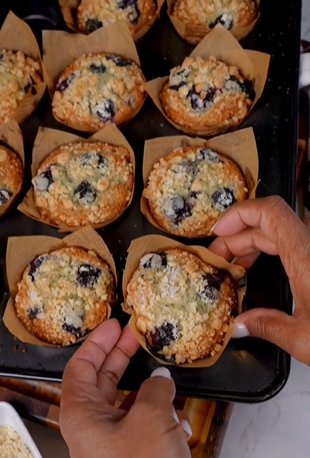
[(278, 428)]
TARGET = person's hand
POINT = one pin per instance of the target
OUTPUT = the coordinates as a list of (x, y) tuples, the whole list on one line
[(92, 427), (269, 225)]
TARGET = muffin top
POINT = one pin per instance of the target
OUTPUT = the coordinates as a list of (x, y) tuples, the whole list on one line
[(98, 89), (182, 305), (84, 183), (11, 174), (204, 92), (228, 13), (190, 188), (64, 294), (18, 76), (93, 14)]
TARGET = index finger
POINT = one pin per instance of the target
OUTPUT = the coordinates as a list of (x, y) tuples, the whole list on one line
[(84, 365), (270, 214), (277, 222), (115, 364)]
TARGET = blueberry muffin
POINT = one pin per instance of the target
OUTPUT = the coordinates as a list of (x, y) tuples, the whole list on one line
[(206, 93), (189, 189), (98, 89), (64, 294), (11, 174), (83, 184), (229, 13), (93, 14), (181, 304), (19, 75)]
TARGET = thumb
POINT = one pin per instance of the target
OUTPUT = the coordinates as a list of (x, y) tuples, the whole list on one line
[(159, 389), (269, 324), (157, 394)]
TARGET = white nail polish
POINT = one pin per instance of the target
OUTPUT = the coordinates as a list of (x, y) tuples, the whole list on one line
[(212, 228), (175, 416), (233, 261), (240, 330), (186, 427), (161, 372)]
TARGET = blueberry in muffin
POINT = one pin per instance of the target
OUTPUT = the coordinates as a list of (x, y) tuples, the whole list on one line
[(189, 189), (98, 89), (182, 305), (19, 75), (207, 93), (230, 14), (64, 294), (11, 174), (84, 183), (94, 14)]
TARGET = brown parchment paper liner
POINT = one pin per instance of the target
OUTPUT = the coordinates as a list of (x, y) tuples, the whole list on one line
[(156, 243), (11, 136), (62, 48), (221, 44), (239, 146), (69, 11), (47, 141), (16, 35), (195, 33), (22, 250)]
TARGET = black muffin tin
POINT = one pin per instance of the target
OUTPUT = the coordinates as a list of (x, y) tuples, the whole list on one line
[(250, 370)]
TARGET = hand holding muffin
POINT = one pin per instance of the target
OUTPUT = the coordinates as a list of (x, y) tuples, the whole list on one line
[(269, 225), (151, 428)]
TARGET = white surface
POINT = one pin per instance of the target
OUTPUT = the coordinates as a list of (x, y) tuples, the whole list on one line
[(305, 20), (9, 417), (304, 77), (278, 428)]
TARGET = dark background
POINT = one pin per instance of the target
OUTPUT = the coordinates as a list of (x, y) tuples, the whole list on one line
[(250, 370)]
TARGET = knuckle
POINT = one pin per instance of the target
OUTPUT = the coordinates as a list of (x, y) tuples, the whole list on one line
[(275, 201), (149, 409), (110, 375), (261, 327), (265, 327), (144, 408)]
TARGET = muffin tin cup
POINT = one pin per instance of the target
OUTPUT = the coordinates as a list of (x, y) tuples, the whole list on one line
[(22, 250), (157, 243), (11, 138), (195, 33), (238, 146), (69, 11), (61, 49), (47, 141), (221, 44), (16, 35)]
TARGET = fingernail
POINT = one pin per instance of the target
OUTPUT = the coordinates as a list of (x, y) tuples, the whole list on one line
[(175, 416), (234, 259), (212, 228), (161, 372), (186, 427), (240, 330)]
